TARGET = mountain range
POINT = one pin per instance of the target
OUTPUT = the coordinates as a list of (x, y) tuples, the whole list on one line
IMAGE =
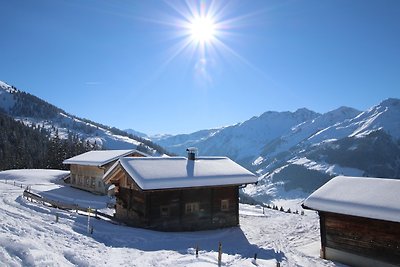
[(304, 149)]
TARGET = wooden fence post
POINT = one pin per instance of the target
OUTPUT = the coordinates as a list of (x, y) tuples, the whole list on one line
[(219, 254), (88, 221)]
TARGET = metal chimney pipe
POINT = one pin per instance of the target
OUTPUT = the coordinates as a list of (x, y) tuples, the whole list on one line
[(192, 151)]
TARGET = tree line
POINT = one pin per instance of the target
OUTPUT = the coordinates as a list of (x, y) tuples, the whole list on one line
[(23, 147)]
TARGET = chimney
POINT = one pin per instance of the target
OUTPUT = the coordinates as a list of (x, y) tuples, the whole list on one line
[(192, 151)]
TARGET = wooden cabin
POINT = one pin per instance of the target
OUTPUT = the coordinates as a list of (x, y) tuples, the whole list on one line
[(87, 169), (178, 193), (359, 220)]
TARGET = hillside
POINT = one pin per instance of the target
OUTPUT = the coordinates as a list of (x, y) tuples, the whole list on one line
[(291, 239), (35, 112)]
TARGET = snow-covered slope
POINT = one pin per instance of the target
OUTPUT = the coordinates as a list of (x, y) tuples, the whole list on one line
[(7, 101), (33, 111), (385, 116), (302, 132), (31, 236)]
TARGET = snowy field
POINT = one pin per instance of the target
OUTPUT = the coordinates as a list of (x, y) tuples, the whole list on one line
[(30, 235)]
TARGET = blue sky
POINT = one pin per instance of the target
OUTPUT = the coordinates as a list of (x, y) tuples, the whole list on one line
[(125, 64)]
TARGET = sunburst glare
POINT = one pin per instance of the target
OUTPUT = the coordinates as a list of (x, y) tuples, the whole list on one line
[(204, 32), (202, 29)]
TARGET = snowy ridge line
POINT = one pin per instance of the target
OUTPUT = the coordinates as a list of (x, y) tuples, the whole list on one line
[(64, 206)]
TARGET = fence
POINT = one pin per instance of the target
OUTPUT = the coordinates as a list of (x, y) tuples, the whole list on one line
[(28, 194), (63, 206)]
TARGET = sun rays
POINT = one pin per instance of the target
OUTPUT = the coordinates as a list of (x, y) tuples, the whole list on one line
[(201, 32)]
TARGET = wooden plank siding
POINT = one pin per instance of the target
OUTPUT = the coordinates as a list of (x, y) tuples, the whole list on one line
[(179, 209), (365, 237), (88, 178)]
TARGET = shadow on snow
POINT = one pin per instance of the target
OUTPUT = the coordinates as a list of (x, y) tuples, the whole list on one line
[(233, 240)]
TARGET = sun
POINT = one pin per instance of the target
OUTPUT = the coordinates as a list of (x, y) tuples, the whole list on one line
[(202, 29), (202, 32)]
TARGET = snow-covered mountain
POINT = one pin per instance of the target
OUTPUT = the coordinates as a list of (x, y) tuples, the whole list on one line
[(242, 141), (268, 134), (366, 145), (178, 143), (304, 149), (33, 111)]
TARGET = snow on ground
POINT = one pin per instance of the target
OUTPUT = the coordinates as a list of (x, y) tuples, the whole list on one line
[(49, 183), (30, 235)]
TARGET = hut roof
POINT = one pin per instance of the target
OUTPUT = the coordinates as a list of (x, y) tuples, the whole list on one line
[(154, 173), (99, 157), (374, 198)]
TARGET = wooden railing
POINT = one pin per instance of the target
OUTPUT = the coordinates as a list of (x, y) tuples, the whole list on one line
[(31, 196)]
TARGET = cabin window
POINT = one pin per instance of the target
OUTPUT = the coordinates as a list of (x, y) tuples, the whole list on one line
[(87, 181), (225, 205), (99, 185), (191, 207), (164, 211), (80, 179), (92, 182), (73, 178)]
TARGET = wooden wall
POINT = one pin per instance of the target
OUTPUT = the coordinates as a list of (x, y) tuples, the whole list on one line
[(79, 174), (167, 209), (362, 236)]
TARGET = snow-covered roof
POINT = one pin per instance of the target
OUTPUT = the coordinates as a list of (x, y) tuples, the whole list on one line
[(99, 157), (178, 172), (375, 198)]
